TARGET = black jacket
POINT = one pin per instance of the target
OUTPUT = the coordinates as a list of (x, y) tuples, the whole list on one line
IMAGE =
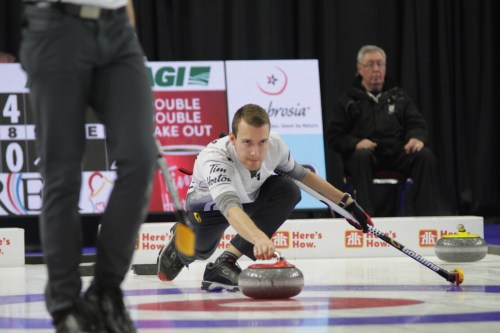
[(390, 122)]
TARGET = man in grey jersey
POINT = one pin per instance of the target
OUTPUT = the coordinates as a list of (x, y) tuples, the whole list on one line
[(234, 184)]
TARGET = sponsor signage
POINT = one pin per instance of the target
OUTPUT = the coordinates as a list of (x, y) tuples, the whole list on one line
[(186, 76), (190, 111), (193, 104), (290, 93), (287, 89), (329, 238)]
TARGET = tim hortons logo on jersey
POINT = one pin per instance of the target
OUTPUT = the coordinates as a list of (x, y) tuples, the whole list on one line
[(354, 238), (427, 238), (281, 239), (220, 175)]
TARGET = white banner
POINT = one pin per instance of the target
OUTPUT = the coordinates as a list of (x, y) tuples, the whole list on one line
[(289, 91), (11, 247), (330, 238), (12, 79)]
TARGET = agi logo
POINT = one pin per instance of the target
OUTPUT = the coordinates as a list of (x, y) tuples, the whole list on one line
[(199, 76), (354, 238), (179, 76), (274, 83)]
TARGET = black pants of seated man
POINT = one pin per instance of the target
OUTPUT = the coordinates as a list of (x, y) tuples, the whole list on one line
[(420, 166)]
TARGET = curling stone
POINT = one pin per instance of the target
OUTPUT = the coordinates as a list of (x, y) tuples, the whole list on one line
[(271, 281), (461, 246)]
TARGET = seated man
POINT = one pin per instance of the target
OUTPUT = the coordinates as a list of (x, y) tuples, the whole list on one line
[(234, 184), (376, 126)]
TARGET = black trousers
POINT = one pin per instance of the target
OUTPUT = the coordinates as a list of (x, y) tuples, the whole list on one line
[(277, 198), (74, 64), (420, 166)]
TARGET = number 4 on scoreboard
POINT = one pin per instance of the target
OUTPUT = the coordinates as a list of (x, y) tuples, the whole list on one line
[(11, 110)]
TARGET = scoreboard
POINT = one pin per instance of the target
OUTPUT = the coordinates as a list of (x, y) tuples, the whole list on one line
[(20, 184), (20, 181), (17, 137)]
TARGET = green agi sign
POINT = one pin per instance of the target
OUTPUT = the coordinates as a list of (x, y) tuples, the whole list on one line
[(176, 76)]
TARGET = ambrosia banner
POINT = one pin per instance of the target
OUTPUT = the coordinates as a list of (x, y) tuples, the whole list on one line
[(289, 91), (194, 103)]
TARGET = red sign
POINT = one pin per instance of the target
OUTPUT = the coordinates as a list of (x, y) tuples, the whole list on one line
[(185, 122)]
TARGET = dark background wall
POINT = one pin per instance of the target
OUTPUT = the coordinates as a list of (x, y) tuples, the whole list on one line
[(444, 53)]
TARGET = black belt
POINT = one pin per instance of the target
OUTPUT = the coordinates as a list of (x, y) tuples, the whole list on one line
[(87, 12)]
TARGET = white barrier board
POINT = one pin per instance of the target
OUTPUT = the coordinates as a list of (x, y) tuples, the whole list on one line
[(330, 238), (11, 247)]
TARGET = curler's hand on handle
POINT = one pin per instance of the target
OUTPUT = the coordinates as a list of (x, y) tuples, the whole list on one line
[(363, 219)]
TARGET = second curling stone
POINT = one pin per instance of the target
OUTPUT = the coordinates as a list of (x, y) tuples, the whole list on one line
[(461, 247)]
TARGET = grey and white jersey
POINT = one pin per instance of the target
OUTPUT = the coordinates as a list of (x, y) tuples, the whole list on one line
[(218, 173)]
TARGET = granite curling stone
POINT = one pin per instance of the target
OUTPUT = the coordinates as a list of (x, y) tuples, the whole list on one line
[(461, 247), (271, 281)]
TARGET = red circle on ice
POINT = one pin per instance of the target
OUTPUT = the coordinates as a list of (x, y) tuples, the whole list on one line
[(292, 304)]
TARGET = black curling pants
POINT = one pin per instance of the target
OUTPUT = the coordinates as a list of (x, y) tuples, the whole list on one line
[(277, 198)]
